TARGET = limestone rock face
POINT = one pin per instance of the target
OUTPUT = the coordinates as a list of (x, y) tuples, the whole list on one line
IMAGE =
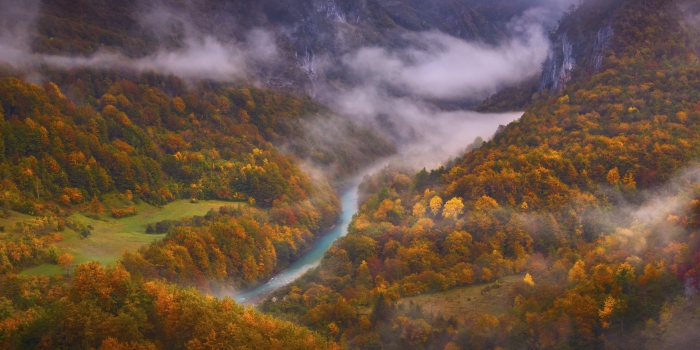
[(558, 67)]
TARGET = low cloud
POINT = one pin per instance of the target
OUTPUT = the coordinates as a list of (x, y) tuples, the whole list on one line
[(444, 67), (201, 59), (450, 68), (426, 136), (396, 89), (17, 27)]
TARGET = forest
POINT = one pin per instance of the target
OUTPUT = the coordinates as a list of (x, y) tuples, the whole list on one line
[(575, 227), (556, 198), (132, 143)]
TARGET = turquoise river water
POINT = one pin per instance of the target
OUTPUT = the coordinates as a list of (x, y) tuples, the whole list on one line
[(311, 258)]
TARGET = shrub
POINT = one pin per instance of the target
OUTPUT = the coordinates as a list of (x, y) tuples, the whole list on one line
[(164, 226), (85, 233), (124, 212)]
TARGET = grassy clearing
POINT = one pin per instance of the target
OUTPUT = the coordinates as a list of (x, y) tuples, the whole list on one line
[(43, 269), (111, 237), (8, 224), (456, 302)]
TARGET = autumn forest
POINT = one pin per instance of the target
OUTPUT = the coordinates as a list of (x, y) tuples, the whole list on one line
[(161, 159)]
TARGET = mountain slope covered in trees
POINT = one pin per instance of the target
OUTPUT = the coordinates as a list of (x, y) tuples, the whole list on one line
[(107, 308), (571, 197), (590, 200), (96, 139)]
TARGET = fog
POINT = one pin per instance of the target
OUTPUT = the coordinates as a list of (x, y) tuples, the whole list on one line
[(205, 58), (17, 26), (398, 87), (426, 136), (445, 67), (200, 57), (638, 222), (393, 90)]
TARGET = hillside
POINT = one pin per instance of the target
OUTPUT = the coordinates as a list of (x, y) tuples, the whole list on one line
[(137, 144), (305, 31), (91, 155), (107, 308), (183, 143), (587, 194)]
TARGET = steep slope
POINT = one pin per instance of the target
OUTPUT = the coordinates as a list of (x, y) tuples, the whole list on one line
[(307, 32), (576, 51), (110, 128), (143, 145), (107, 308), (571, 194)]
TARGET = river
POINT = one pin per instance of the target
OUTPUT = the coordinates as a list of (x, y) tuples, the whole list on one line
[(452, 132), (311, 258)]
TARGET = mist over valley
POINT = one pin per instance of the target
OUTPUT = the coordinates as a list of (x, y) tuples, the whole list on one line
[(349, 174)]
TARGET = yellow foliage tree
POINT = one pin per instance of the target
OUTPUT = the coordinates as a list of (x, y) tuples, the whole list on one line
[(628, 180), (453, 208), (486, 274), (613, 176), (179, 104), (418, 210), (96, 207), (528, 280), (435, 204), (578, 272), (364, 278), (333, 329), (607, 311), (466, 275), (682, 117), (243, 116), (485, 203)]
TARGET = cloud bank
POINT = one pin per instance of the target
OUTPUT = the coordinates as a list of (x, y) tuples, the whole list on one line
[(447, 67), (200, 57), (207, 58), (397, 88)]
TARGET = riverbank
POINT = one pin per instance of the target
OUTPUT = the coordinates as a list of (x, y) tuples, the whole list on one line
[(308, 260)]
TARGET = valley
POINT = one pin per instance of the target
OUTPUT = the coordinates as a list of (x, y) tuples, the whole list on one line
[(310, 258), (349, 174)]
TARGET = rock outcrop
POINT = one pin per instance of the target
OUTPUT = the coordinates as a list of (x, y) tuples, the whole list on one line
[(602, 43), (557, 69)]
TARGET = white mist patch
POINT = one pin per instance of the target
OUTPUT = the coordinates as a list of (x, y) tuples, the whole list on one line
[(397, 88), (201, 57), (425, 136), (449, 133), (17, 26), (205, 59), (450, 67), (445, 67), (670, 198)]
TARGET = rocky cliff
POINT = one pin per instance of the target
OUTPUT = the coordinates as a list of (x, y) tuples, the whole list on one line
[(560, 64), (578, 45)]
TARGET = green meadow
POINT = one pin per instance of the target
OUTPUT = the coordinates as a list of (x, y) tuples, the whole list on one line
[(111, 237)]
